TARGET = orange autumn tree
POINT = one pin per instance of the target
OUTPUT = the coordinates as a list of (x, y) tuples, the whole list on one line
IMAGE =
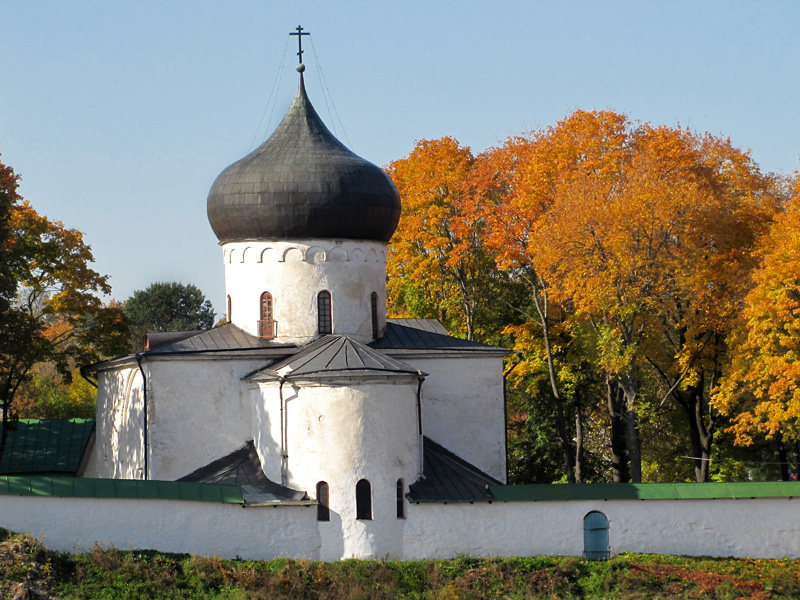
[(516, 186), (761, 390), (436, 268), (642, 234)]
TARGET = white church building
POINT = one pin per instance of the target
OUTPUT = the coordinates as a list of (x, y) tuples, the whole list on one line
[(308, 393), (311, 426)]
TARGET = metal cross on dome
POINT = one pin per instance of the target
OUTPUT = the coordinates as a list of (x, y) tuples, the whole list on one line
[(299, 33)]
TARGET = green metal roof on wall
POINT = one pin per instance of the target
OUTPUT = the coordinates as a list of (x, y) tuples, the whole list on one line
[(78, 487), (46, 446), (645, 491)]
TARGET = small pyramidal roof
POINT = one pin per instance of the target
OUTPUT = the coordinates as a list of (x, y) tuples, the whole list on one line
[(334, 355), (303, 183)]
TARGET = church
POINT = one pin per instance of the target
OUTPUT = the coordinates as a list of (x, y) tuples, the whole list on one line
[(308, 394), (311, 426)]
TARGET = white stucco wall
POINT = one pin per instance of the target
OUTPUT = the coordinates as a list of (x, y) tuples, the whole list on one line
[(462, 407), (204, 528), (199, 410), (119, 445), (294, 273), (342, 432), (758, 527)]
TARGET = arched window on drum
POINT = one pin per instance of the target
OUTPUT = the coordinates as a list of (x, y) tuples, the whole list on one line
[(373, 302), (324, 312), (266, 323)]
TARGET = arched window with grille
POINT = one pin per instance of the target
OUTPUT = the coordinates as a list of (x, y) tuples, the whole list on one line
[(323, 509), (229, 309), (401, 506), (363, 500), (266, 324), (373, 301), (324, 312)]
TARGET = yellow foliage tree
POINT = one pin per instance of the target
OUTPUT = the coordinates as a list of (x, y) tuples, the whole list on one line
[(761, 391)]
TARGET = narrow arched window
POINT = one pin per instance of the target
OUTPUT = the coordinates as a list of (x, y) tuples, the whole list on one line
[(266, 325), (401, 506), (324, 311), (323, 510), (229, 309), (363, 500), (373, 300)]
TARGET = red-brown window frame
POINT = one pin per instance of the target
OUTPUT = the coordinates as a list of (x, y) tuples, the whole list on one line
[(266, 309)]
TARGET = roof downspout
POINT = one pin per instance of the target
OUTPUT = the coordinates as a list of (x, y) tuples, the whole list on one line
[(82, 371), (284, 431), (420, 379), (518, 354), (144, 417)]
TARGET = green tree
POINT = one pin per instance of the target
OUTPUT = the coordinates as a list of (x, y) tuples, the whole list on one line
[(49, 309), (167, 306)]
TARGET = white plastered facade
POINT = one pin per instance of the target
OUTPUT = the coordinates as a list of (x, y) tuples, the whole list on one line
[(341, 432), (294, 273)]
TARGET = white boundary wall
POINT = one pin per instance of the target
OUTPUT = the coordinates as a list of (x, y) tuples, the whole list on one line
[(758, 528)]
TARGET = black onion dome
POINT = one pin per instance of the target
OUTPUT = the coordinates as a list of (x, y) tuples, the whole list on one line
[(303, 183)]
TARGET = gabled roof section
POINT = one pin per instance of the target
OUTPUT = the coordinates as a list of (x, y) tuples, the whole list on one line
[(449, 478), (46, 446), (227, 338), (415, 335), (224, 337), (334, 355), (243, 468)]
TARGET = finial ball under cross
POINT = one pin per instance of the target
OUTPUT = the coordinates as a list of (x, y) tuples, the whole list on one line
[(299, 33)]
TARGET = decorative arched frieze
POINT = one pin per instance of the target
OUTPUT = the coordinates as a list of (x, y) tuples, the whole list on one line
[(292, 254), (267, 254), (315, 255), (337, 254), (357, 255)]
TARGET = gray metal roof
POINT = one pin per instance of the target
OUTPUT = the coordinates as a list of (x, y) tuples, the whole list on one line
[(426, 334), (449, 478), (303, 183), (334, 355), (243, 468), (225, 339)]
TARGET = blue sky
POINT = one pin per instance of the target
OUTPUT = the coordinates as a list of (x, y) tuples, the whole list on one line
[(119, 115)]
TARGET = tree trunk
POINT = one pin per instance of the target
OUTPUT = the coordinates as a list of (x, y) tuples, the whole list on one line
[(619, 458), (4, 433), (578, 443), (634, 444), (701, 434), (783, 457)]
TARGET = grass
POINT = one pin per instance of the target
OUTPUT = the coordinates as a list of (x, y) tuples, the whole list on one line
[(27, 570)]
